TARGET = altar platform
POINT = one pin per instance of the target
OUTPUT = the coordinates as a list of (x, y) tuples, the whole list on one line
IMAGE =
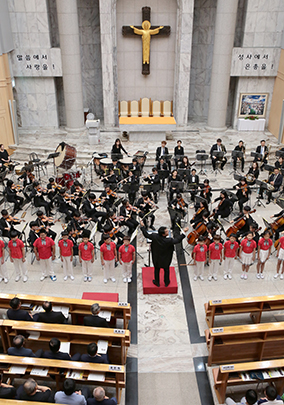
[(150, 128)]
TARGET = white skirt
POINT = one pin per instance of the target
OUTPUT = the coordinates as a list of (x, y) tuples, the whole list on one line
[(246, 258), (281, 254), (263, 254)]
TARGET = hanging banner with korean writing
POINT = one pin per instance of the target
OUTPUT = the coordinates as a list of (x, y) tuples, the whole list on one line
[(255, 61), (36, 62)]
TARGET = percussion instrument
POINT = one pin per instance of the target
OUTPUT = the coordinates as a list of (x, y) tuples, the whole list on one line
[(67, 156), (250, 177), (106, 161), (126, 161), (19, 170), (60, 180)]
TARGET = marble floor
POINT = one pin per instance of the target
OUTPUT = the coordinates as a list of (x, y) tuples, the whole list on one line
[(168, 335)]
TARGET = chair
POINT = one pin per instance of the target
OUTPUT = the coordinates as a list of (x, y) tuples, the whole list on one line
[(33, 157), (134, 108), (167, 109), (145, 107), (124, 109), (156, 108)]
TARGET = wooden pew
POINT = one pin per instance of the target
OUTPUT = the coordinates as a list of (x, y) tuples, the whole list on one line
[(77, 307), (245, 343), (229, 376), (79, 338), (252, 305), (18, 402), (114, 374)]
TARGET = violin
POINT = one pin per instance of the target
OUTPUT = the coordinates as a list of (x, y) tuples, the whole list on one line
[(237, 225), (112, 193), (207, 189), (114, 231), (79, 189), (41, 189), (69, 196), (198, 212), (151, 203), (31, 176), (75, 233), (181, 203), (16, 187), (56, 186), (50, 220), (199, 230), (14, 219)]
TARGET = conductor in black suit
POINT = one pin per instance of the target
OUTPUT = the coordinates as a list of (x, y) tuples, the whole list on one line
[(50, 316), (95, 319), (162, 151), (162, 248)]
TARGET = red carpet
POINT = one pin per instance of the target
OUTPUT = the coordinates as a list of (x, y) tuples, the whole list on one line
[(111, 297), (150, 288)]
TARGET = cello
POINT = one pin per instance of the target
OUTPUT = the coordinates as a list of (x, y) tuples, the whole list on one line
[(199, 230), (237, 225)]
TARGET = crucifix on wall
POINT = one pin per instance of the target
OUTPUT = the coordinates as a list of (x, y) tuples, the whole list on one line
[(146, 32)]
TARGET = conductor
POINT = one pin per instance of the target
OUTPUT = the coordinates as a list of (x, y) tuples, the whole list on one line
[(162, 248)]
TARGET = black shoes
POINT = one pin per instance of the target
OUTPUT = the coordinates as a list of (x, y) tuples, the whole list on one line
[(155, 283)]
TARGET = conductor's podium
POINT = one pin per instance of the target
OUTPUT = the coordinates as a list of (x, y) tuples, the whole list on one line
[(150, 288)]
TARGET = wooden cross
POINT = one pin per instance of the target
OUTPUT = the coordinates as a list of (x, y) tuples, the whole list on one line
[(146, 31)]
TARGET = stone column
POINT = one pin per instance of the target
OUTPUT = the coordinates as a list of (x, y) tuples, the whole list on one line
[(183, 61), (222, 55), (109, 62), (71, 63)]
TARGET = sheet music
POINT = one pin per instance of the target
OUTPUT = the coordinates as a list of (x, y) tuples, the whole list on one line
[(60, 308), (105, 314), (65, 347), (17, 369), (96, 377), (39, 371), (102, 346), (74, 374), (34, 335)]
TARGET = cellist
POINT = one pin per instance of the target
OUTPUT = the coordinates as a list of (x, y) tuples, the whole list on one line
[(281, 227), (247, 219), (197, 217), (224, 207)]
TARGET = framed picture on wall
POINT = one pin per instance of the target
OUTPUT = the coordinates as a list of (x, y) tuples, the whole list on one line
[(253, 104)]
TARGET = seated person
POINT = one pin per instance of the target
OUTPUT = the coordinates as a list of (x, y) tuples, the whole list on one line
[(271, 397), (249, 399), (50, 316), (218, 147), (33, 234), (20, 350), (162, 151), (12, 196), (247, 218), (193, 183), (178, 153), (95, 319), (162, 166), (240, 148), (274, 182), (92, 356), (100, 398), (44, 222), (30, 391), (70, 395), (6, 391), (37, 194), (279, 163), (263, 150), (54, 353), (224, 207), (15, 313), (252, 174)]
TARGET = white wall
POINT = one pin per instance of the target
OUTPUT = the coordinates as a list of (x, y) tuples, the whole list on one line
[(132, 85)]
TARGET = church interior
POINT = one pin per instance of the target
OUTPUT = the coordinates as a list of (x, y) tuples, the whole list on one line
[(141, 186)]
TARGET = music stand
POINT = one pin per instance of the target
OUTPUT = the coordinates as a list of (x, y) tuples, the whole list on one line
[(263, 185), (202, 157), (199, 199), (279, 153), (191, 187), (235, 155), (177, 184), (127, 188), (116, 156), (219, 156), (238, 177), (183, 172), (280, 202), (163, 174), (256, 155), (269, 168)]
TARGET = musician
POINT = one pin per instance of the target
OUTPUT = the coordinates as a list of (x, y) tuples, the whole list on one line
[(6, 226), (243, 192), (43, 222), (90, 208), (162, 165), (110, 179), (206, 190), (280, 164), (180, 206), (78, 192), (211, 226), (275, 181), (252, 174), (116, 167), (27, 178), (116, 236), (37, 195), (12, 196), (153, 179), (74, 226), (162, 151), (185, 163), (253, 228), (224, 207), (128, 212), (52, 189), (193, 183), (263, 150), (201, 210), (4, 157), (117, 148), (135, 167), (145, 206), (241, 148), (174, 188), (109, 197), (63, 201), (280, 228), (132, 180), (218, 147), (34, 233), (247, 218), (178, 153)]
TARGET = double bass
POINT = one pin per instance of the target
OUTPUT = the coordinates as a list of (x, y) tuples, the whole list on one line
[(237, 225)]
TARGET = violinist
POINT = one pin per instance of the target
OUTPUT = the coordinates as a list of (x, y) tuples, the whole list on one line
[(115, 222), (64, 206), (193, 183), (252, 174), (27, 177), (128, 212), (173, 179), (178, 153), (241, 148), (12, 196), (280, 228), (180, 207), (275, 181), (44, 222), (247, 218), (218, 147), (145, 206), (211, 226), (75, 227), (90, 208), (52, 189), (243, 192), (109, 197), (206, 191), (201, 209), (224, 207), (78, 191), (154, 179), (162, 166), (115, 235), (37, 195), (7, 224), (33, 234)]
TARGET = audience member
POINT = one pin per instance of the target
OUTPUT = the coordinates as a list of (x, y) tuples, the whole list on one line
[(249, 399), (50, 316), (6, 391), (92, 355), (20, 350), (271, 397), (95, 319), (30, 391), (100, 398), (54, 353), (69, 395), (15, 313)]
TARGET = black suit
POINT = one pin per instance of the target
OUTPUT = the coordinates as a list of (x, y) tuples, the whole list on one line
[(7, 392), (18, 315), (264, 157), (56, 356), (224, 160), (47, 396), (110, 401), (51, 317), (39, 201), (13, 197), (278, 180), (159, 154), (96, 321), (242, 160), (102, 358), (223, 209), (193, 180), (162, 249), (4, 224)]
